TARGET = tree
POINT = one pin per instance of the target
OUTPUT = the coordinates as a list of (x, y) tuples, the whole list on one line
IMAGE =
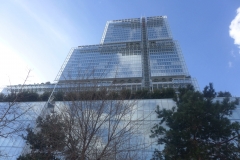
[(59, 96), (27, 97), (2, 97), (163, 93), (224, 94), (46, 140), (198, 128), (142, 94), (44, 96)]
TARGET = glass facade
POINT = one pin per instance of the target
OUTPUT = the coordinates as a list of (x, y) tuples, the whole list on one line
[(126, 30), (26, 113), (13, 146), (166, 59), (103, 62), (140, 50), (157, 28), (143, 111), (137, 53)]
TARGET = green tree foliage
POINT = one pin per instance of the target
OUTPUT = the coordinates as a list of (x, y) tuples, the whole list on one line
[(47, 141), (2, 97), (198, 128), (224, 94), (30, 97), (19, 97), (44, 96), (142, 94), (59, 96), (10, 97), (87, 95), (163, 93), (125, 94), (27, 97), (37, 156), (113, 95)]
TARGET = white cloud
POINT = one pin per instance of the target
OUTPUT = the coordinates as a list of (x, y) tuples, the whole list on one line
[(234, 28)]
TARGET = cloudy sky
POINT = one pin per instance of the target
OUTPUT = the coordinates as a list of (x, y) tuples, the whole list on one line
[(37, 35)]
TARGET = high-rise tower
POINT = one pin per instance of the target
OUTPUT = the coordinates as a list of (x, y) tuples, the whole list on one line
[(139, 53), (135, 54)]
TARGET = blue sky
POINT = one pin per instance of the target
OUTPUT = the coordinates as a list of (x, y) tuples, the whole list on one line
[(37, 35)]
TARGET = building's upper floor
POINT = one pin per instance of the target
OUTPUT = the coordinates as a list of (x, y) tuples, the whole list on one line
[(130, 30)]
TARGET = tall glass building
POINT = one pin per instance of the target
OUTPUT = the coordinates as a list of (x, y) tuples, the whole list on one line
[(134, 53)]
